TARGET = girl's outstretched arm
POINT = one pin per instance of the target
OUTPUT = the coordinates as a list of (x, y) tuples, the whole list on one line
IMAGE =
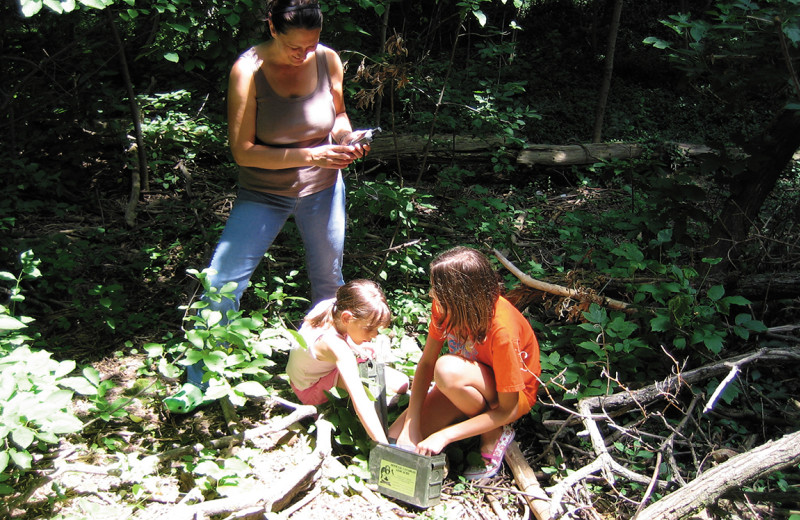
[(408, 428), (338, 351)]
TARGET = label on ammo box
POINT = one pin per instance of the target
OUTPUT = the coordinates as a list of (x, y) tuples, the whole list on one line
[(396, 477)]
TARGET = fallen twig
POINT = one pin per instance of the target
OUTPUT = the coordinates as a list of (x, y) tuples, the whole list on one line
[(527, 482), (297, 480), (559, 290), (734, 371), (496, 506), (300, 413)]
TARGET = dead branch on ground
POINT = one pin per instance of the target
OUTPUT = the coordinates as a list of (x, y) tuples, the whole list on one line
[(562, 291), (527, 482), (302, 477), (593, 410), (707, 488)]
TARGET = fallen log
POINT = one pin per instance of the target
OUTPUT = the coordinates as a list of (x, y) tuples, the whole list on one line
[(389, 147), (731, 475), (761, 286), (567, 155)]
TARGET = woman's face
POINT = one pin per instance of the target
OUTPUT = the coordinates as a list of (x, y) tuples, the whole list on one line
[(297, 45)]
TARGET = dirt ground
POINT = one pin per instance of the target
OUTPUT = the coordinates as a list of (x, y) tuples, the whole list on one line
[(110, 471)]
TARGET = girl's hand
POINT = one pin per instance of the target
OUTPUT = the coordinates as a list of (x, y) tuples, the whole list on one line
[(433, 445), (407, 439), (365, 351), (334, 156)]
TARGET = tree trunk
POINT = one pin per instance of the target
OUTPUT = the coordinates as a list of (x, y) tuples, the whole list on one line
[(608, 71), (770, 155), (141, 179), (390, 146), (450, 64), (567, 155)]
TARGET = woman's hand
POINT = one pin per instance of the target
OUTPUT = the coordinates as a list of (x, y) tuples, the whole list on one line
[(359, 141), (334, 156)]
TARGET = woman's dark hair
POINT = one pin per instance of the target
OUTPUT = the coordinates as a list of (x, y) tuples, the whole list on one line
[(466, 287), (294, 14)]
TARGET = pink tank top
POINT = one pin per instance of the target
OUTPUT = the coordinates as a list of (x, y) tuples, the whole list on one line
[(292, 123)]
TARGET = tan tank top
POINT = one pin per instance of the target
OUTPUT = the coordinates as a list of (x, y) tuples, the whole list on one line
[(291, 123)]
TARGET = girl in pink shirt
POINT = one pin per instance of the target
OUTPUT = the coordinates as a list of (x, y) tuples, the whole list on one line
[(338, 334)]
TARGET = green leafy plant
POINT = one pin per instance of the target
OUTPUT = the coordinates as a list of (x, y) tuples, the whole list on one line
[(699, 318), (176, 132), (235, 350), (215, 474), (277, 295), (36, 391), (678, 308), (349, 432), (101, 407), (380, 204)]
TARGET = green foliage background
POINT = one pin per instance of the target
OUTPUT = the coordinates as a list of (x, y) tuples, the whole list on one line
[(82, 285)]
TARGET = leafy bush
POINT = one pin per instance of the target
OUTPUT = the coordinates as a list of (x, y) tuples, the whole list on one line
[(235, 349), (36, 391), (176, 132)]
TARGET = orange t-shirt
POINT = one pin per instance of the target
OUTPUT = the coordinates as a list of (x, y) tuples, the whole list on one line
[(510, 349)]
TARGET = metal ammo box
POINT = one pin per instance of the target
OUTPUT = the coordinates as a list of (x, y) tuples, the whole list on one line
[(407, 476)]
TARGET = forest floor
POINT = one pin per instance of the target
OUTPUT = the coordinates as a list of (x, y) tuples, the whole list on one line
[(117, 469), (100, 484)]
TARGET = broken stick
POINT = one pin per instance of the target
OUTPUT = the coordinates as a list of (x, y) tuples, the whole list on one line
[(527, 482), (559, 290)]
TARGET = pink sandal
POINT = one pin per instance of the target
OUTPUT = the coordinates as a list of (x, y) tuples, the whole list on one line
[(493, 460)]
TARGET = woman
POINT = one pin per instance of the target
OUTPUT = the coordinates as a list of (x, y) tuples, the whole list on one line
[(288, 132)]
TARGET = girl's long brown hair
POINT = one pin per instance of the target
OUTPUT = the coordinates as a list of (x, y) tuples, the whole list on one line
[(466, 288), (363, 298)]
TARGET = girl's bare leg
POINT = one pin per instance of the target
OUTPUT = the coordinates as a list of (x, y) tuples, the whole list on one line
[(470, 387), (438, 412), (396, 381), (462, 389)]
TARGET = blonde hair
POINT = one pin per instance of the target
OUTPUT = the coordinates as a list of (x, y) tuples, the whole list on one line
[(466, 288), (363, 298)]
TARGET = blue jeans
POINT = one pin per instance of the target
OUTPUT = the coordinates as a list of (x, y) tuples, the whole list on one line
[(252, 226)]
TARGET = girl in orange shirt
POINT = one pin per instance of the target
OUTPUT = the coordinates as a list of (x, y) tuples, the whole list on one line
[(489, 376)]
